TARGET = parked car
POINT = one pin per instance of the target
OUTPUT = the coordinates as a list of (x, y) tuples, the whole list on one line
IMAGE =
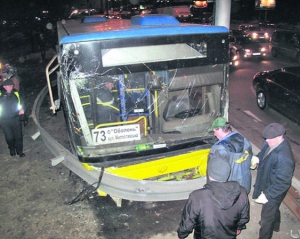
[(250, 48), (280, 90), (255, 32), (287, 43)]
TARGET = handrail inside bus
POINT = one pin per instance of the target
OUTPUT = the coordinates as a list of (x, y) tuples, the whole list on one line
[(48, 80)]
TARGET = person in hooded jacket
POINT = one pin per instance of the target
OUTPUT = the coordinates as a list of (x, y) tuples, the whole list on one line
[(240, 151), (11, 112), (219, 210)]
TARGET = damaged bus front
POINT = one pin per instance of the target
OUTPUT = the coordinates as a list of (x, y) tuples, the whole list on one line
[(139, 95)]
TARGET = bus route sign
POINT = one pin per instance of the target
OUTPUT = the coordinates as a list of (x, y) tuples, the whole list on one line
[(117, 134)]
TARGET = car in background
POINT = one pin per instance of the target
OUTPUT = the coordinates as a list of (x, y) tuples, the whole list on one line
[(251, 48), (243, 28), (233, 44), (181, 13), (237, 33), (234, 58), (279, 89), (255, 32), (235, 52), (82, 13), (113, 13), (286, 43), (129, 11)]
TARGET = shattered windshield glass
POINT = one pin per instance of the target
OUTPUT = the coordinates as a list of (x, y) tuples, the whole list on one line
[(128, 98)]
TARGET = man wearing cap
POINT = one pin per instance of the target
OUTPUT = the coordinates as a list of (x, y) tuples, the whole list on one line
[(107, 110), (8, 73), (274, 177), (240, 151), (220, 209), (11, 109)]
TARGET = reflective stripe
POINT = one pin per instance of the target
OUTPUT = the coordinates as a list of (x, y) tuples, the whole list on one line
[(19, 100), (243, 158)]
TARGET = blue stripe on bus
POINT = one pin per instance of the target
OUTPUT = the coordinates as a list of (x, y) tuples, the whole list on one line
[(93, 19), (139, 32), (155, 19)]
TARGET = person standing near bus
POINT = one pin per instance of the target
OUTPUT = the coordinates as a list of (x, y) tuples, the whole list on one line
[(240, 151), (275, 170), (11, 112), (221, 208), (9, 73)]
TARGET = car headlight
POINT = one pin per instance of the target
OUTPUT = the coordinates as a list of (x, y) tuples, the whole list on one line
[(254, 35), (247, 50), (266, 35), (234, 58), (263, 49)]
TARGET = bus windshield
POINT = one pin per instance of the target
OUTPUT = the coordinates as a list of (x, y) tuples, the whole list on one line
[(125, 97)]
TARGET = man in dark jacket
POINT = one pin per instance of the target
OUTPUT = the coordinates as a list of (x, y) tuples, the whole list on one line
[(220, 209), (11, 109), (107, 109), (274, 177), (240, 151)]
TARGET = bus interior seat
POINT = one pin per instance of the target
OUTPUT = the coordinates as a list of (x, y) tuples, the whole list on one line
[(174, 106)]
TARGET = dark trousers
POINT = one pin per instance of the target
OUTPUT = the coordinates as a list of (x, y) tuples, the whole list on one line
[(12, 130), (270, 220)]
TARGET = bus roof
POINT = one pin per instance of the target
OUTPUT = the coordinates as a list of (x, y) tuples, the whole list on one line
[(99, 28)]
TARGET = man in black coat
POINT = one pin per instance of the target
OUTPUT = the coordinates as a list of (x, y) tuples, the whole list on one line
[(107, 109), (219, 210), (274, 177), (11, 109)]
